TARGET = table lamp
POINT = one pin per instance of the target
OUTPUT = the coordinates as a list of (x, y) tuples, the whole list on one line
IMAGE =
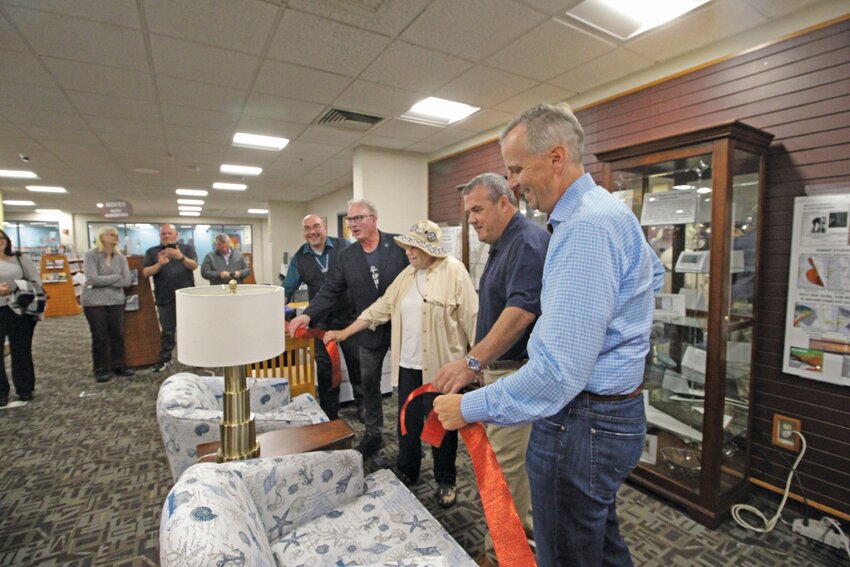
[(231, 326)]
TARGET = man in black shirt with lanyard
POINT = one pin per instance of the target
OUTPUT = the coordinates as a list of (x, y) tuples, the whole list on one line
[(310, 265)]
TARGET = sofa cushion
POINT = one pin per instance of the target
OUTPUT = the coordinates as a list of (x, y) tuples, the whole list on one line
[(386, 526)]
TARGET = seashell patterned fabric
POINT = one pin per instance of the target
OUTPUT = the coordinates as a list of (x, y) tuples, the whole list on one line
[(188, 411), (311, 509)]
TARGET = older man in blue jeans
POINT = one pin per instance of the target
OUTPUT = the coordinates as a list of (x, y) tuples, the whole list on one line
[(582, 383)]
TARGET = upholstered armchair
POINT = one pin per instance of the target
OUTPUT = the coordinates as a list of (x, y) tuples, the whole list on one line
[(188, 410), (308, 509)]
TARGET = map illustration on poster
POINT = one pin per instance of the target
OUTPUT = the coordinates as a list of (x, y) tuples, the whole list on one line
[(817, 324)]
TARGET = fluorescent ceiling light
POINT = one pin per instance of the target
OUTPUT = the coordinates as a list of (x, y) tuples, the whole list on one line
[(189, 214), (683, 187), (18, 174), (190, 201), (229, 186), (201, 227), (192, 192), (189, 208), (19, 203), (240, 169), (439, 111), (624, 19), (257, 142), (99, 205), (48, 211), (45, 189), (704, 190), (258, 211)]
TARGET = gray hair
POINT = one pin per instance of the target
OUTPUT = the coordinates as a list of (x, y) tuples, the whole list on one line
[(367, 203), (221, 237), (98, 241), (548, 125), (495, 184)]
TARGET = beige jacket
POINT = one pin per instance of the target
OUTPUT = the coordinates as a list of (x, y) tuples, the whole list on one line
[(448, 314)]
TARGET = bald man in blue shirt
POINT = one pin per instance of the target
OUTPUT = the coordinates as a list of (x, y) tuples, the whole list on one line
[(582, 384)]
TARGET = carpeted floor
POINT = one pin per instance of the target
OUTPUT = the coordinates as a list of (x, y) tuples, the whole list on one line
[(83, 477)]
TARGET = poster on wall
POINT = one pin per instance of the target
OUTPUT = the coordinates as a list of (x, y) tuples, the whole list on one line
[(817, 324)]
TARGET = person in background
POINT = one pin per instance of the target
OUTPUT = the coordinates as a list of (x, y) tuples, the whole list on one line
[(107, 274), (509, 293), (432, 305), (18, 328), (224, 264), (582, 383), (365, 270), (311, 264), (171, 264)]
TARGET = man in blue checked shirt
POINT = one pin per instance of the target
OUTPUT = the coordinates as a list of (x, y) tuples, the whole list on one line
[(582, 384)]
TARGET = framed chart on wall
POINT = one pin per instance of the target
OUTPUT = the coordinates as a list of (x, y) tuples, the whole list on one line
[(817, 325)]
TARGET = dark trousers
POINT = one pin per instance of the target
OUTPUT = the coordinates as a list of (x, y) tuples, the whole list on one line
[(371, 363), (19, 329), (106, 323), (409, 446), (168, 327), (329, 398)]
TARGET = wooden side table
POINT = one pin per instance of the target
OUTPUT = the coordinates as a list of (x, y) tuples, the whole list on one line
[(332, 435)]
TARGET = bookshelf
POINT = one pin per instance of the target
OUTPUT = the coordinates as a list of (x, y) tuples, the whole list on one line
[(58, 285)]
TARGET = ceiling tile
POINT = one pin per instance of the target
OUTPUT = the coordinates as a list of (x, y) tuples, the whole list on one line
[(707, 24), (267, 127), (380, 100), (777, 8), (388, 18), (405, 130), (118, 12), (216, 138), (414, 68), (284, 109), (608, 67), (305, 148), (284, 79), (81, 40), (32, 96), (22, 68), (209, 64), (472, 29), (533, 55), (199, 117), (484, 86), (53, 132), (36, 117), (543, 93), (242, 26), (121, 126), (330, 135), (9, 38), (382, 142), (343, 49), (423, 147), (91, 78), (553, 7), (200, 95), (448, 137), (114, 106), (484, 120)]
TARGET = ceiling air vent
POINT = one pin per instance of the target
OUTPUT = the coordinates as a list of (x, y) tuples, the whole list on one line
[(348, 120)]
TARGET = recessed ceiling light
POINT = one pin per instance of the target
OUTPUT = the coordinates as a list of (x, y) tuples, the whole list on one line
[(683, 187), (624, 19), (190, 201), (18, 174), (704, 190), (189, 214), (201, 227), (18, 203), (146, 170), (258, 211), (48, 211), (229, 186), (433, 110), (240, 169), (99, 205), (189, 208), (45, 189), (258, 142), (192, 192)]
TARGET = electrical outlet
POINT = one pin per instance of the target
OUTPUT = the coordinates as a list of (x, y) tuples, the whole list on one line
[(821, 531), (783, 428)]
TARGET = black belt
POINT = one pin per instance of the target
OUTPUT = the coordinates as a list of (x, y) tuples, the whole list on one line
[(617, 398), (506, 364)]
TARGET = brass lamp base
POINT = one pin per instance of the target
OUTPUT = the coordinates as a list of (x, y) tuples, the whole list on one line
[(238, 434)]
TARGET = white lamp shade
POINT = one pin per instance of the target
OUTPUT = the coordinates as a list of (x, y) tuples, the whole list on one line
[(217, 329)]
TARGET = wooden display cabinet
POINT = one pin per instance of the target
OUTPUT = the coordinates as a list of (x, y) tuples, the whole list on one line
[(698, 196), (141, 325), (58, 285)]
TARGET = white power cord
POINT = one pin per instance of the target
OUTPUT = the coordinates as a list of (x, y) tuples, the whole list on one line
[(771, 523), (837, 526)]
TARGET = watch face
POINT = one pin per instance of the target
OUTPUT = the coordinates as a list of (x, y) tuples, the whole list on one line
[(473, 364)]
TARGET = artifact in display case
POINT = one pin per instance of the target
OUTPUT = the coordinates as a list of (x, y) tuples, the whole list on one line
[(698, 196)]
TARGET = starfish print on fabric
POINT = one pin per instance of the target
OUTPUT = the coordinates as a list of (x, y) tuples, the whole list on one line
[(416, 523), (280, 523)]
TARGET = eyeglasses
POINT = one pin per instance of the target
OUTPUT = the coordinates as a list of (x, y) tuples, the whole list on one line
[(357, 219)]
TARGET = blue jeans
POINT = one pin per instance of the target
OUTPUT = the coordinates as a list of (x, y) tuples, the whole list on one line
[(577, 459), (371, 364)]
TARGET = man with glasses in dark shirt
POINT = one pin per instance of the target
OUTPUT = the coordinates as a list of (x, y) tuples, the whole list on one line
[(365, 270)]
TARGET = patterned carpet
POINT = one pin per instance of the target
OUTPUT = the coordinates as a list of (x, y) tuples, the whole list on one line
[(83, 477)]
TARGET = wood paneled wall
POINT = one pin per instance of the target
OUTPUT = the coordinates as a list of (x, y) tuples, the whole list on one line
[(799, 90)]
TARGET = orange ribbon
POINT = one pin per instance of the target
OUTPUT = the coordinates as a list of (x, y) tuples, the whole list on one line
[(331, 347), (512, 549)]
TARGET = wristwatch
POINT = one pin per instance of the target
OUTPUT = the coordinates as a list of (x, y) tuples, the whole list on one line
[(473, 364)]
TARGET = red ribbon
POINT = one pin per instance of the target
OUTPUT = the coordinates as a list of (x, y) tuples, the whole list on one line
[(512, 549), (331, 347)]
